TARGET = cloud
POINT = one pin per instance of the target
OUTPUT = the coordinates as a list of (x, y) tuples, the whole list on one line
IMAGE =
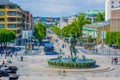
[(58, 7)]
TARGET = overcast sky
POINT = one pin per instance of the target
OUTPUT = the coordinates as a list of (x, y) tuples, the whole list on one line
[(57, 8)]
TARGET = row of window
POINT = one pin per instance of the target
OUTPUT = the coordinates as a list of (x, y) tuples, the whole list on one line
[(114, 6), (10, 13), (113, 2), (10, 7), (9, 25), (10, 20)]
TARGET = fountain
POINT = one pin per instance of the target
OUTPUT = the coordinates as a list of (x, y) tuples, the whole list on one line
[(73, 61)]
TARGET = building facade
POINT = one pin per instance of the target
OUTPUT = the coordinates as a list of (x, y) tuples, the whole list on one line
[(109, 5), (27, 27), (115, 20), (11, 18), (91, 14), (97, 30)]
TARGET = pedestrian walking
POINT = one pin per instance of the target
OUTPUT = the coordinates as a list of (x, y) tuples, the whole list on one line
[(3, 62), (112, 60), (116, 60)]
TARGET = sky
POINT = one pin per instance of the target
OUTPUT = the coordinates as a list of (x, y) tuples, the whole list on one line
[(58, 8)]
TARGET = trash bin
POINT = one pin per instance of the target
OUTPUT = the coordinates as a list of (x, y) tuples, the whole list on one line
[(21, 58)]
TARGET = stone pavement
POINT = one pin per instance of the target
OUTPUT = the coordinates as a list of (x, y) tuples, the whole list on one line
[(34, 67)]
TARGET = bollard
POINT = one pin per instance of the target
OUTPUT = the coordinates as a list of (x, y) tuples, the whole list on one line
[(21, 58)]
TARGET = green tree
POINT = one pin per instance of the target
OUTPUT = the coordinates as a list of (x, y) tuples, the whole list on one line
[(39, 32), (6, 36), (117, 39), (56, 30), (100, 17), (76, 27)]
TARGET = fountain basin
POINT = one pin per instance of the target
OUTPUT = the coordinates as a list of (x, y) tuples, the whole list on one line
[(68, 63)]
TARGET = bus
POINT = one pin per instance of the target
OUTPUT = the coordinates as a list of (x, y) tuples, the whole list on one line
[(49, 48)]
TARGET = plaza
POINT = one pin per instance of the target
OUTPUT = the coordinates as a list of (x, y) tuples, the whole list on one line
[(35, 66)]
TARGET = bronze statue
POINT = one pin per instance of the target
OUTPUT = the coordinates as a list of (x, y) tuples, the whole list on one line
[(72, 44)]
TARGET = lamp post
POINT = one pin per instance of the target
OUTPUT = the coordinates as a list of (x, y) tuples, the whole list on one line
[(103, 25), (26, 35)]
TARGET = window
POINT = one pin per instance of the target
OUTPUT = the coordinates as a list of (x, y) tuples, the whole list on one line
[(112, 2), (12, 7), (2, 19), (12, 13), (112, 6), (2, 7), (12, 25), (2, 25), (2, 13), (11, 19)]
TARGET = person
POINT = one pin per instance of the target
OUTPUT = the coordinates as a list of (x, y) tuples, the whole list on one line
[(112, 60), (15, 54), (3, 62), (116, 60)]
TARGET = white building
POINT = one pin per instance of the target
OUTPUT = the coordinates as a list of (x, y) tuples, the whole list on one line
[(109, 5), (64, 21)]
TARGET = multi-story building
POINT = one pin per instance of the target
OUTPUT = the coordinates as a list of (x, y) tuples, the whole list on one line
[(27, 26), (109, 5), (10, 17), (63, 22), (115, 20), (96, 30), (91, 14)]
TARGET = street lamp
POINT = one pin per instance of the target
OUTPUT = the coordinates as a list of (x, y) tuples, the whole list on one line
[(26, 34)]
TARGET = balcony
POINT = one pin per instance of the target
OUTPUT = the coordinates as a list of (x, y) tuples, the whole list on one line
[(14, 22), (14, 29), (14, 16), (12, 9)]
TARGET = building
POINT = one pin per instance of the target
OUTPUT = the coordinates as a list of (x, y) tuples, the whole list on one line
[(64, 21), (96, 30), (109, 5), (27, 27), (11, 18), (115, 20), (91, 14), (47, 21)]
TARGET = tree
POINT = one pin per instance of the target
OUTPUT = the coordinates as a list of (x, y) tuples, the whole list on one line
[(6, 36), (56, 30), (118, 39), (100, 17), (39, 32), (76, 27), (113, 38)]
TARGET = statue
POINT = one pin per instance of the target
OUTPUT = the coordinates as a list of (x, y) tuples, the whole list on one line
[(72, 44)]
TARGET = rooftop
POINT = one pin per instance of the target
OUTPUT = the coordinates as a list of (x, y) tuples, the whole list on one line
[(98, 24), (6, 2), (93, 12)]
